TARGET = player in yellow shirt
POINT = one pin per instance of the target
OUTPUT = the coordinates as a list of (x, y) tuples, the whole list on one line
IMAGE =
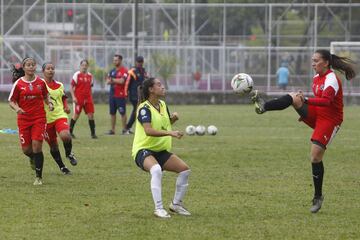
[(152, 143), (57, 120)]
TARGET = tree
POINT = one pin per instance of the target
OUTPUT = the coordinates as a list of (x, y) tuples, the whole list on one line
[(165, 65)]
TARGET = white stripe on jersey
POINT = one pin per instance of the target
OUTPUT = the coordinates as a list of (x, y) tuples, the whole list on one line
[(75, 76), (12, 89), (331, 81)]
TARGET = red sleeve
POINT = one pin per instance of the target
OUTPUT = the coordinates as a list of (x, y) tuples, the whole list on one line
[(325, 100), (127, 82), (64, 101), (14, 94), (45, 91), (73, 83)]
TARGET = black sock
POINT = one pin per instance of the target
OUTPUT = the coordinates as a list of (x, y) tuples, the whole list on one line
[(92, 126), (67, 147), (39, 163), (57, 157), (30, 155), (279, 103), (318, 174), (72, 125)]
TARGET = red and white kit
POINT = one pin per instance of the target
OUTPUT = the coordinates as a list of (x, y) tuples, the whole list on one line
[(30, 95), (83, 83), (325, 112)]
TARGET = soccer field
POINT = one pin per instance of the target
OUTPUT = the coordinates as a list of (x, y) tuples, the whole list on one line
[(251, 181)]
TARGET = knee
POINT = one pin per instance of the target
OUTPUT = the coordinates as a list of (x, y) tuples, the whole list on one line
[(156, 170), (297, 101), (185, 173)]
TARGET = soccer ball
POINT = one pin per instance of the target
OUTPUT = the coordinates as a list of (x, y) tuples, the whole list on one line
[(242, 83), (190, 130), (212, 130), (200, 130)]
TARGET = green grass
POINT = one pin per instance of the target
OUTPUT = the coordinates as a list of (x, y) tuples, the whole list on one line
[(251, 181)]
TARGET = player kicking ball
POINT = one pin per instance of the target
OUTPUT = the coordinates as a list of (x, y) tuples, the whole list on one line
[(323, 112)]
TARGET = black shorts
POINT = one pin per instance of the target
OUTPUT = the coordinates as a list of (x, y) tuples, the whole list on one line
[(161, 157)]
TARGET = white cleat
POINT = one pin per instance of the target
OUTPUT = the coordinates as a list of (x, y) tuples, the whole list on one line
[(161, 213), (38, 181), (179, 209)]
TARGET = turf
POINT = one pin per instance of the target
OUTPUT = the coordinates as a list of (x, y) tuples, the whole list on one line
[(250, 181)]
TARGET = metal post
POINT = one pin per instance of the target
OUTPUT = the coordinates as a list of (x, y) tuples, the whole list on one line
[(89, 31), (45, 33), (315, 26), (1, 43), (178, 44), (135, 28), (269, 50), (224, 50)]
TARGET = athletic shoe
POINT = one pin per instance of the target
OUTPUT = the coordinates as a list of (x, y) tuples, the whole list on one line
[(125, 132), (179, 209), (258, 101), (161, 213), (130, 131), (65, 171), (72, 135), (110, 132), (32, 163), (316, 204), (93, 136), (72, 159), (38, 181)]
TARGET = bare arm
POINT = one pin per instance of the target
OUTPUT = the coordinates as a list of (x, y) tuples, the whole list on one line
[(160, 133), (16, 107)]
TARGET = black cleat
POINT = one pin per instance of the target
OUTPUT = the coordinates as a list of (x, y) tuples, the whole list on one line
[(110, 132), (93, 136), (72, 159), (316, 204), (65, 171), (72, 136), (258, 101)]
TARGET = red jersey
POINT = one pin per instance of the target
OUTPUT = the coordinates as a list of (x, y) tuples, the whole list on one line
[(328, 99), (30, 97), (119, 89), (82, 83)]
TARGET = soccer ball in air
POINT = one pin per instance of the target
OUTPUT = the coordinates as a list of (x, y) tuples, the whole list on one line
[(190, 130), (212, 130), (200, 130), (242, 83)]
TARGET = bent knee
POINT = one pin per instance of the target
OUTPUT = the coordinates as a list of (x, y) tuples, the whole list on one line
[(297, 100)]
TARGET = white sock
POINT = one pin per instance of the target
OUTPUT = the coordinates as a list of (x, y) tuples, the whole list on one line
[(181, 186), (155, 184)]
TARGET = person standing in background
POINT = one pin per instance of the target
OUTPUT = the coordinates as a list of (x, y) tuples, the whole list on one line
[(117, 95), (135, 78), (81, 94), (283, 76)]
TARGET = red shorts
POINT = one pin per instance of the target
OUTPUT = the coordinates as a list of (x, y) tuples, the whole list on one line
[(31, 130), (59, 125), (324, 130), (84, 103)]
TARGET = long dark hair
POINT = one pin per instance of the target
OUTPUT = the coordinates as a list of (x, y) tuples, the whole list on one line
[(143, 89), (18, 71), (342, 64)]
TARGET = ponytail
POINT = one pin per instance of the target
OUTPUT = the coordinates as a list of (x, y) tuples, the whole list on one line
[(17, 72), (342, 64)]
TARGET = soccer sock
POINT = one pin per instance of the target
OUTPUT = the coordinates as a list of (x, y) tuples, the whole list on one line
[(92, 126), (72, 125), (39, 163), (155, 184), (318, 174), (30, 155), (67, 147), (279, 103), (57, 157), (181, 186)]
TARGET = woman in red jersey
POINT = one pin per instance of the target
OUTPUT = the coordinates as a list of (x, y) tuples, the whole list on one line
[(323, 112), (81, 94), (57, 120), (27, 98)]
